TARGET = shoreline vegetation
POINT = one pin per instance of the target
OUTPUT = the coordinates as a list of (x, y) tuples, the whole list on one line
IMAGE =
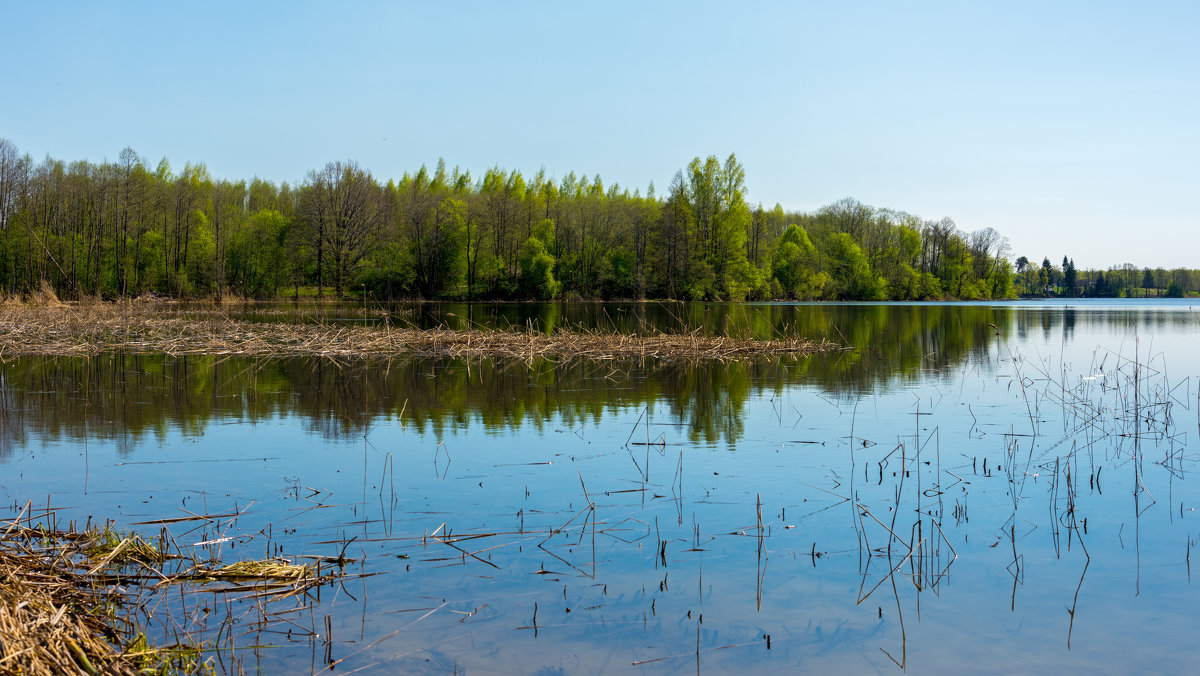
[(120, 229), (81, 599), (57, 329)]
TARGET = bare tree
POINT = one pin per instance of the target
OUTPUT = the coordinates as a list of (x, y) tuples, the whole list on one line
[(987, 248), (935, 239), (228, 200), (14, 172), (342, 207), (850, 216)]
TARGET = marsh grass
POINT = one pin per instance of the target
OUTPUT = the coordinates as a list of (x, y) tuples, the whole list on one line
[(110, 547), (272, 569), (59, 614), (85, 329), (87, 600)]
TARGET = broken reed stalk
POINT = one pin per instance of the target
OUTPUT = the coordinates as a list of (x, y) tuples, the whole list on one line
[(62, 605), (92, 329)]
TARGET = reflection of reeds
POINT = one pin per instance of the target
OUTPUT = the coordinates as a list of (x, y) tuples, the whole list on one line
[(99, 328)]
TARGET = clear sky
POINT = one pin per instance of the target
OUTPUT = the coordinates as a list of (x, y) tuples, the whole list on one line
[(1070, 127)]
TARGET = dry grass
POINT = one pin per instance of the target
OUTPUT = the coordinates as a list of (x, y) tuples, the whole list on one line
[(143, 328), (83, 601), (60, 615), (262, 570)]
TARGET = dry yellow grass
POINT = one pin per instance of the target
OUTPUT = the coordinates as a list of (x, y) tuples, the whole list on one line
[(144, 328), (74, 601), (60, 615)]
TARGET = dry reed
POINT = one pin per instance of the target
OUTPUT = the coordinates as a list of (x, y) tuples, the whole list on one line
[(91, 329), (77, 601), (62, 614)]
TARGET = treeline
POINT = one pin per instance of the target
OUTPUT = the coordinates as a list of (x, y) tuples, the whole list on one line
[(1119, 281), (125, 228)]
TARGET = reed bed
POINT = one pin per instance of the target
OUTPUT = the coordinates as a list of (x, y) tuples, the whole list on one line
[(62, 609), (44, 627), (143, 328), (86, 600)]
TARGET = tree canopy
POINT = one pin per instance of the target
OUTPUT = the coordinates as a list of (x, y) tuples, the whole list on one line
[(128, 227)]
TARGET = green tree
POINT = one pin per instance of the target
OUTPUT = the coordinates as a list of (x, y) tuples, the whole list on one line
[(256, 256), (226, 209), (716, 195), (795, 265), (850, 275), (672, 239), (437, 239), (1046, 275), (537, 270), (1070, 276)]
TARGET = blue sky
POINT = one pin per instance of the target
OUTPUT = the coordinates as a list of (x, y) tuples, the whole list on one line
[(1069, 127)]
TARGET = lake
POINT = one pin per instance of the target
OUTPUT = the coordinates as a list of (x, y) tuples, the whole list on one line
[(970, 488)]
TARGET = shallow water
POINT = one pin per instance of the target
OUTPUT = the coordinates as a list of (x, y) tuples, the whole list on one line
[(972, 488)]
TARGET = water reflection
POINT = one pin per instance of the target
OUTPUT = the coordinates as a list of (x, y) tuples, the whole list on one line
[(769, 320), (130, 397), (939, 498)]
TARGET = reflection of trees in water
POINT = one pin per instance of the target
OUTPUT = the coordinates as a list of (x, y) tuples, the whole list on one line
[(123, 397), (889, 341), (1059, 319), (126, 398)]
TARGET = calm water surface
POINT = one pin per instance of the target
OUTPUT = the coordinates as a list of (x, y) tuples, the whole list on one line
[(972, 488)]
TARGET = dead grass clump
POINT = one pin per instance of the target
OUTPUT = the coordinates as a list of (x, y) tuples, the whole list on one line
[(152, 297), (44, 628), (84, 601), (270, 569), (44, 296), (58, 618)]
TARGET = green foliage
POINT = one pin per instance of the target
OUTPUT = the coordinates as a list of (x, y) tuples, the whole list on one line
[(198, 272), (618, 274), (437, 246), (930, 287), (256, 256), (129, 227), (795, 266), (730, 263), (388, 272), (544, 230), (1000, 283), (537, 271), (850, 273), (1069, 276)]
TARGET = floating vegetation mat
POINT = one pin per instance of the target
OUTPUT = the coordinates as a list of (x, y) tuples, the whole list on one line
[(138, 328), (86, 600)]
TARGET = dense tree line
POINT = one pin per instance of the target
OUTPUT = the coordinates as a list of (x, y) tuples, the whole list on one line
[(124, 228), (1118, 281)]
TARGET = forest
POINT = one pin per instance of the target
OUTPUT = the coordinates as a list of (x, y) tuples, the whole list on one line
[(127, 228)]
